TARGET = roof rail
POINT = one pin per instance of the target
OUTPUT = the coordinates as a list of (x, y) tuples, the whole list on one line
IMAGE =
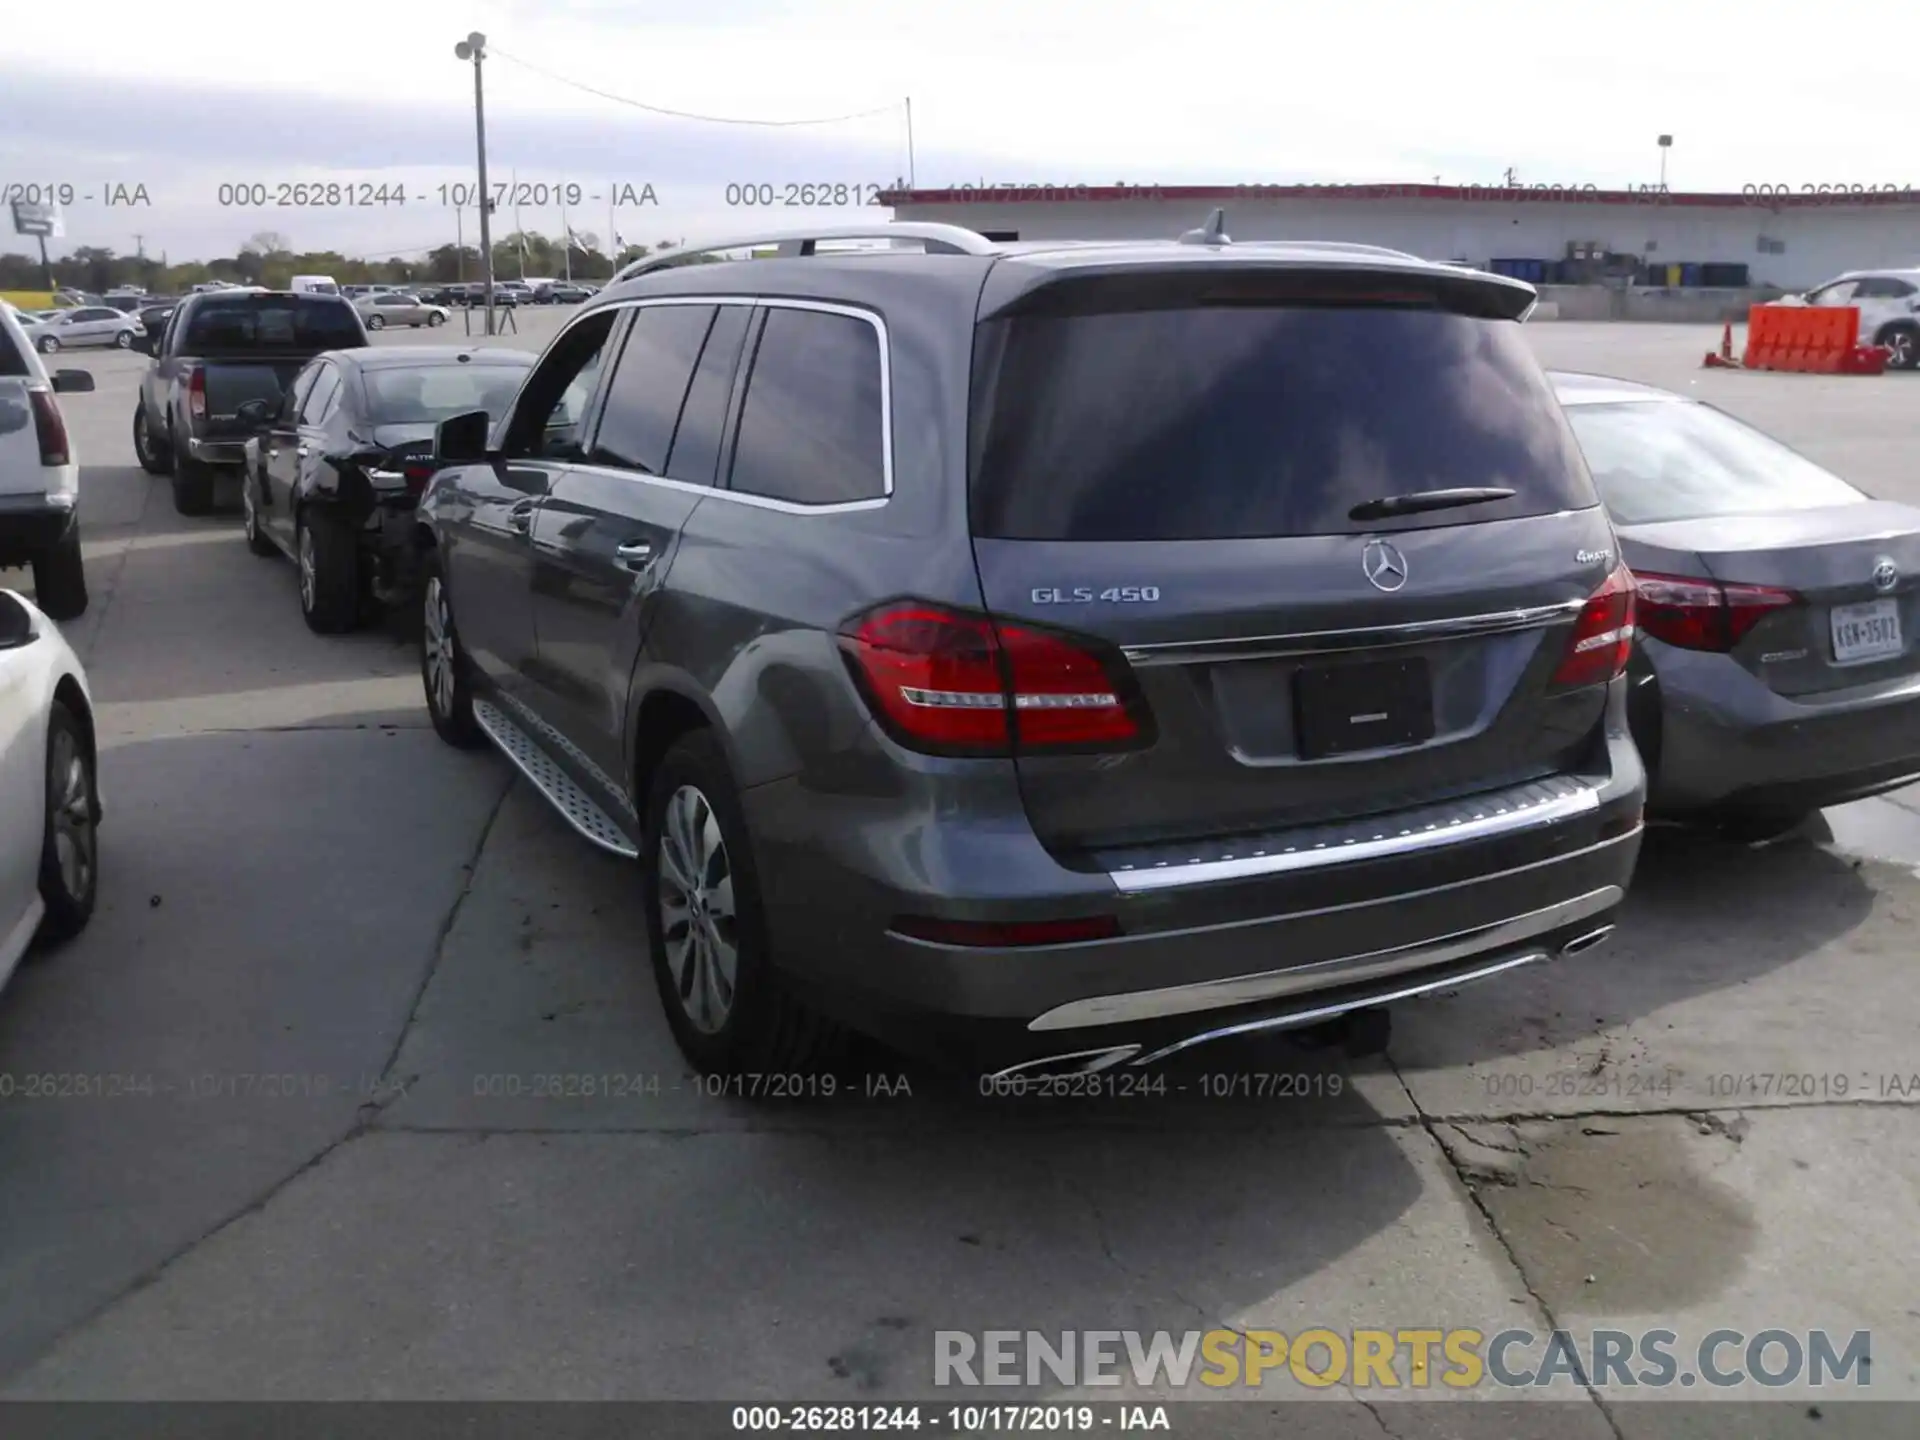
[(1351, 248), (944, 239)]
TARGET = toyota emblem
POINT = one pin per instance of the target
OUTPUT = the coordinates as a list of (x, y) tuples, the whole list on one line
[(1886, 574), (1384, 565)]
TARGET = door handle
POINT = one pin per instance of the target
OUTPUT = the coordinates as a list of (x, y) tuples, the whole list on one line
[(521, 516), (635, 554), (273, 452), (301, 452)]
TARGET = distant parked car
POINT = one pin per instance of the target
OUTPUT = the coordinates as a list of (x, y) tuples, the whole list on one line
[(390, 307), (561, 292), (83, 326), (332, 479), (1775, 670)]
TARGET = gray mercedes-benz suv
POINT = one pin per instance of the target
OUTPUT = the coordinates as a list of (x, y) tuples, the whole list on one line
[(1048, 655)]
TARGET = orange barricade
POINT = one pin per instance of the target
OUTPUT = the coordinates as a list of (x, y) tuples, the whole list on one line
[(1816, 339)]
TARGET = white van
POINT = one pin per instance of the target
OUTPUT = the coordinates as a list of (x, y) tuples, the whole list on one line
[(313, 285)]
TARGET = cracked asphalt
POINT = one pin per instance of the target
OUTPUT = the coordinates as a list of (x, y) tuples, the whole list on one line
[(391, 1111)]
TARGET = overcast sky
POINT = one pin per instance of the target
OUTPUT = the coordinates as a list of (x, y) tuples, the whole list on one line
[(368, 92)]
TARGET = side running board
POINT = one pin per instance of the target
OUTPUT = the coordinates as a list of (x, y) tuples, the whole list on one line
[(575, 805)]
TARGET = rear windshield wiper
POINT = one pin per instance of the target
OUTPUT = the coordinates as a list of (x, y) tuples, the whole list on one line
[(1419, 501)]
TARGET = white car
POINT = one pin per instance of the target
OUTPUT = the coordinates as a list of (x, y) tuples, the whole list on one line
[(39, 474), (1889, 305), (85, 325), (49, 786)]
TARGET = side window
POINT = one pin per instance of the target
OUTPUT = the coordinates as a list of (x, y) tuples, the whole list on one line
[(1871, 288), (703, 419), (810, 427), (296, 395), (649, 385), (319, 402), (1837, 294), (546, 420)]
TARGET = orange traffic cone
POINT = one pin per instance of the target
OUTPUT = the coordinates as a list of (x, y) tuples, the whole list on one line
[(1724, 360)]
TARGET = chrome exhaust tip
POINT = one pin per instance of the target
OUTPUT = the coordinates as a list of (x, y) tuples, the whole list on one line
[(1075, 1062), (1582, 943)]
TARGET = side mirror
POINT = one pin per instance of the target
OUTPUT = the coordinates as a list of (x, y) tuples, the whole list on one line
[(257, 413), (462, 439), (73, 382)]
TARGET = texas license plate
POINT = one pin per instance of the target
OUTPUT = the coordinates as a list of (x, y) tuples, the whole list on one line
[(1866, 632)]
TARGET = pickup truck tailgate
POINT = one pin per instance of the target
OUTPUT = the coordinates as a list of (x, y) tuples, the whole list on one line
[(231, 383)]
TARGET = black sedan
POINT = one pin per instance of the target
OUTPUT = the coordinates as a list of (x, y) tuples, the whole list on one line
[(332, 479), (1777, 669)]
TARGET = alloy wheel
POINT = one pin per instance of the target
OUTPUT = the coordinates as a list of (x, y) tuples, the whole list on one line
[(1901, 346), (698, 924), (74, 836), (248, 518), (437, 638)]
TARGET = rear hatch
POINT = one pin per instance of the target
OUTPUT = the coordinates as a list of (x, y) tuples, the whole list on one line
[(1170, 470), (250, 346), (1745, 547), (22, 392)]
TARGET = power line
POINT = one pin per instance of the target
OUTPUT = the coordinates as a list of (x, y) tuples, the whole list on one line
[(683, 114)]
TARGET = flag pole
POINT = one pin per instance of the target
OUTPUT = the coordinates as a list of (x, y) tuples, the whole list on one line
[(519, 230), (567, 226)]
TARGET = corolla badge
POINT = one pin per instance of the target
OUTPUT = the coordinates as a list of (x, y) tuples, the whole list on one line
[(1886, 574), (1384, 565)]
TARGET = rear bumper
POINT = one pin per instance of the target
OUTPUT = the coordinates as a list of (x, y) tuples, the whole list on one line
[(31, 525), (1272, 949), (1727, 743)]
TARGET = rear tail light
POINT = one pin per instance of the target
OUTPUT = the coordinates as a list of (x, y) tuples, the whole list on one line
[(416, 477), (197, 395), (51, 428), (947, 682), (1007, 935), (1602, 637), (1695, 614)]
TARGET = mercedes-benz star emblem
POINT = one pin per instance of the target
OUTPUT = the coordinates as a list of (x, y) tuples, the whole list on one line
[(1384, 565), (1886, 574)]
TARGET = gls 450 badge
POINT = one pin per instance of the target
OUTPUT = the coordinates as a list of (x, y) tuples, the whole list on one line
[(1091, 595)]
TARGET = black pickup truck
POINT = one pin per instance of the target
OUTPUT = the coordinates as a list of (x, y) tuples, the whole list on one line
[(220, 350)]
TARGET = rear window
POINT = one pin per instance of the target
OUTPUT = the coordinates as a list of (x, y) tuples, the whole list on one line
[(279, 322), (1219, 422), (1667, 460), (428, 394)]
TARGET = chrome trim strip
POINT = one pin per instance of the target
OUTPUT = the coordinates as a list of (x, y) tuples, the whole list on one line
[(1308, 642), (1481, 827), (1345, 1007), (1325, 974), (762, 502), (1104, 1058)]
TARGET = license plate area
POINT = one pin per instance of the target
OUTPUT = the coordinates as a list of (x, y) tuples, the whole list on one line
[(1865, 633), (1339, 709)]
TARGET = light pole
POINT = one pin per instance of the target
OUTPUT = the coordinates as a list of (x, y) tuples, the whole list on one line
[(1666, 144), (474, 48)]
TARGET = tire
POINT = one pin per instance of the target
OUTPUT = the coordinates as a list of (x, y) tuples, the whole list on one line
[(1902, 343), (60, 578), (49, 344), (70, 846), (695, 830), (436, 318), (192, 487), (329, 565), (376, 322), (449, 691), (155, 458), (257, 539), (124, 340)]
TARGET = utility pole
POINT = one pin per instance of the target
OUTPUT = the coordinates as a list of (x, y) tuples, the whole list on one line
[(474, 48), (139, 246)]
